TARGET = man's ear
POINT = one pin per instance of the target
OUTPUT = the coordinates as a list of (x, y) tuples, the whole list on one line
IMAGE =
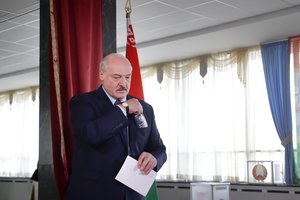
[(101, 76)]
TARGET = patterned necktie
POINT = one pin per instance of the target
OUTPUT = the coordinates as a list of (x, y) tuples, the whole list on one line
[(124, 131)]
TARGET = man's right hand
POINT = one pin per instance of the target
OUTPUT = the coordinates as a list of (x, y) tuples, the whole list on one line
[(134, 106)]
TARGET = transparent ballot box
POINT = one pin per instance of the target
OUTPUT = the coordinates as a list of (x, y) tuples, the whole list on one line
[(269, 172), (209, 191)]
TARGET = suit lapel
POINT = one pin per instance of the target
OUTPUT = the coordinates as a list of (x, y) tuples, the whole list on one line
[(104, 101), (105, 104)]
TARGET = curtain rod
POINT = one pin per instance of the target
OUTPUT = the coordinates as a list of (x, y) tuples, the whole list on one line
[(270, 42)]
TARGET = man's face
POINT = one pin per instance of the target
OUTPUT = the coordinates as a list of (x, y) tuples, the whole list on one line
[(116, 78)]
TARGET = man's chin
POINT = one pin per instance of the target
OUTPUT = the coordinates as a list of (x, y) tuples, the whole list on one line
[(121, 94)]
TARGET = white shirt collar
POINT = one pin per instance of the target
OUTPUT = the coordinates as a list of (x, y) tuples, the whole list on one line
[(113, 100)]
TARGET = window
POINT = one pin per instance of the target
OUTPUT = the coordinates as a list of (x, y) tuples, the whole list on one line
[(19, 131), (213, 125)]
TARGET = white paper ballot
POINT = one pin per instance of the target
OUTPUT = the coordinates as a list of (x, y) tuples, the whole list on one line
[(131, 176)]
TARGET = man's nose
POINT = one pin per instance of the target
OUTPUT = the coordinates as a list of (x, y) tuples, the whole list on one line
[(123, 81)]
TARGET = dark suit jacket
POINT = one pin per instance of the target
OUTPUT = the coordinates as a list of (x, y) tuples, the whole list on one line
[(99, 148)]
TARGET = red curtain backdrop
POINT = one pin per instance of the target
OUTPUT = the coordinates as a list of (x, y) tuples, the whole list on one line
[(76, 50)]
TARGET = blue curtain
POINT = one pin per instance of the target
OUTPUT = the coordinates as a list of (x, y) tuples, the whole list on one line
[(276, 63)]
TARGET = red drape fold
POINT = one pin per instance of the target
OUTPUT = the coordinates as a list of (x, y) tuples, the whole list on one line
[(76, 50)]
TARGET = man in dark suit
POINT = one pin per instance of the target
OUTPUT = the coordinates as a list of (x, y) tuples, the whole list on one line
[(105, 132)]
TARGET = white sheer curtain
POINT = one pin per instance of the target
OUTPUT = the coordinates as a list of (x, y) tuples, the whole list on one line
[(212, 126), (19, 132)]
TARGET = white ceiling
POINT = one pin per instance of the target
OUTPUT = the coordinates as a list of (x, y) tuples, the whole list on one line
[(164, 30)]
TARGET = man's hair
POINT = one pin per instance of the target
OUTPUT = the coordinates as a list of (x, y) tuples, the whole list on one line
[(104, 62)]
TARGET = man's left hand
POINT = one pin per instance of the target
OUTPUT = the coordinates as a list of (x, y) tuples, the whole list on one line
[(146, 162)]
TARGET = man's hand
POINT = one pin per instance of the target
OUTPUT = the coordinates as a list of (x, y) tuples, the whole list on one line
[(146, 162), (134, 106)]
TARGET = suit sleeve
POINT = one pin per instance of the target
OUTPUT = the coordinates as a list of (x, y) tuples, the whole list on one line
[(93, 125), (155, 145)]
